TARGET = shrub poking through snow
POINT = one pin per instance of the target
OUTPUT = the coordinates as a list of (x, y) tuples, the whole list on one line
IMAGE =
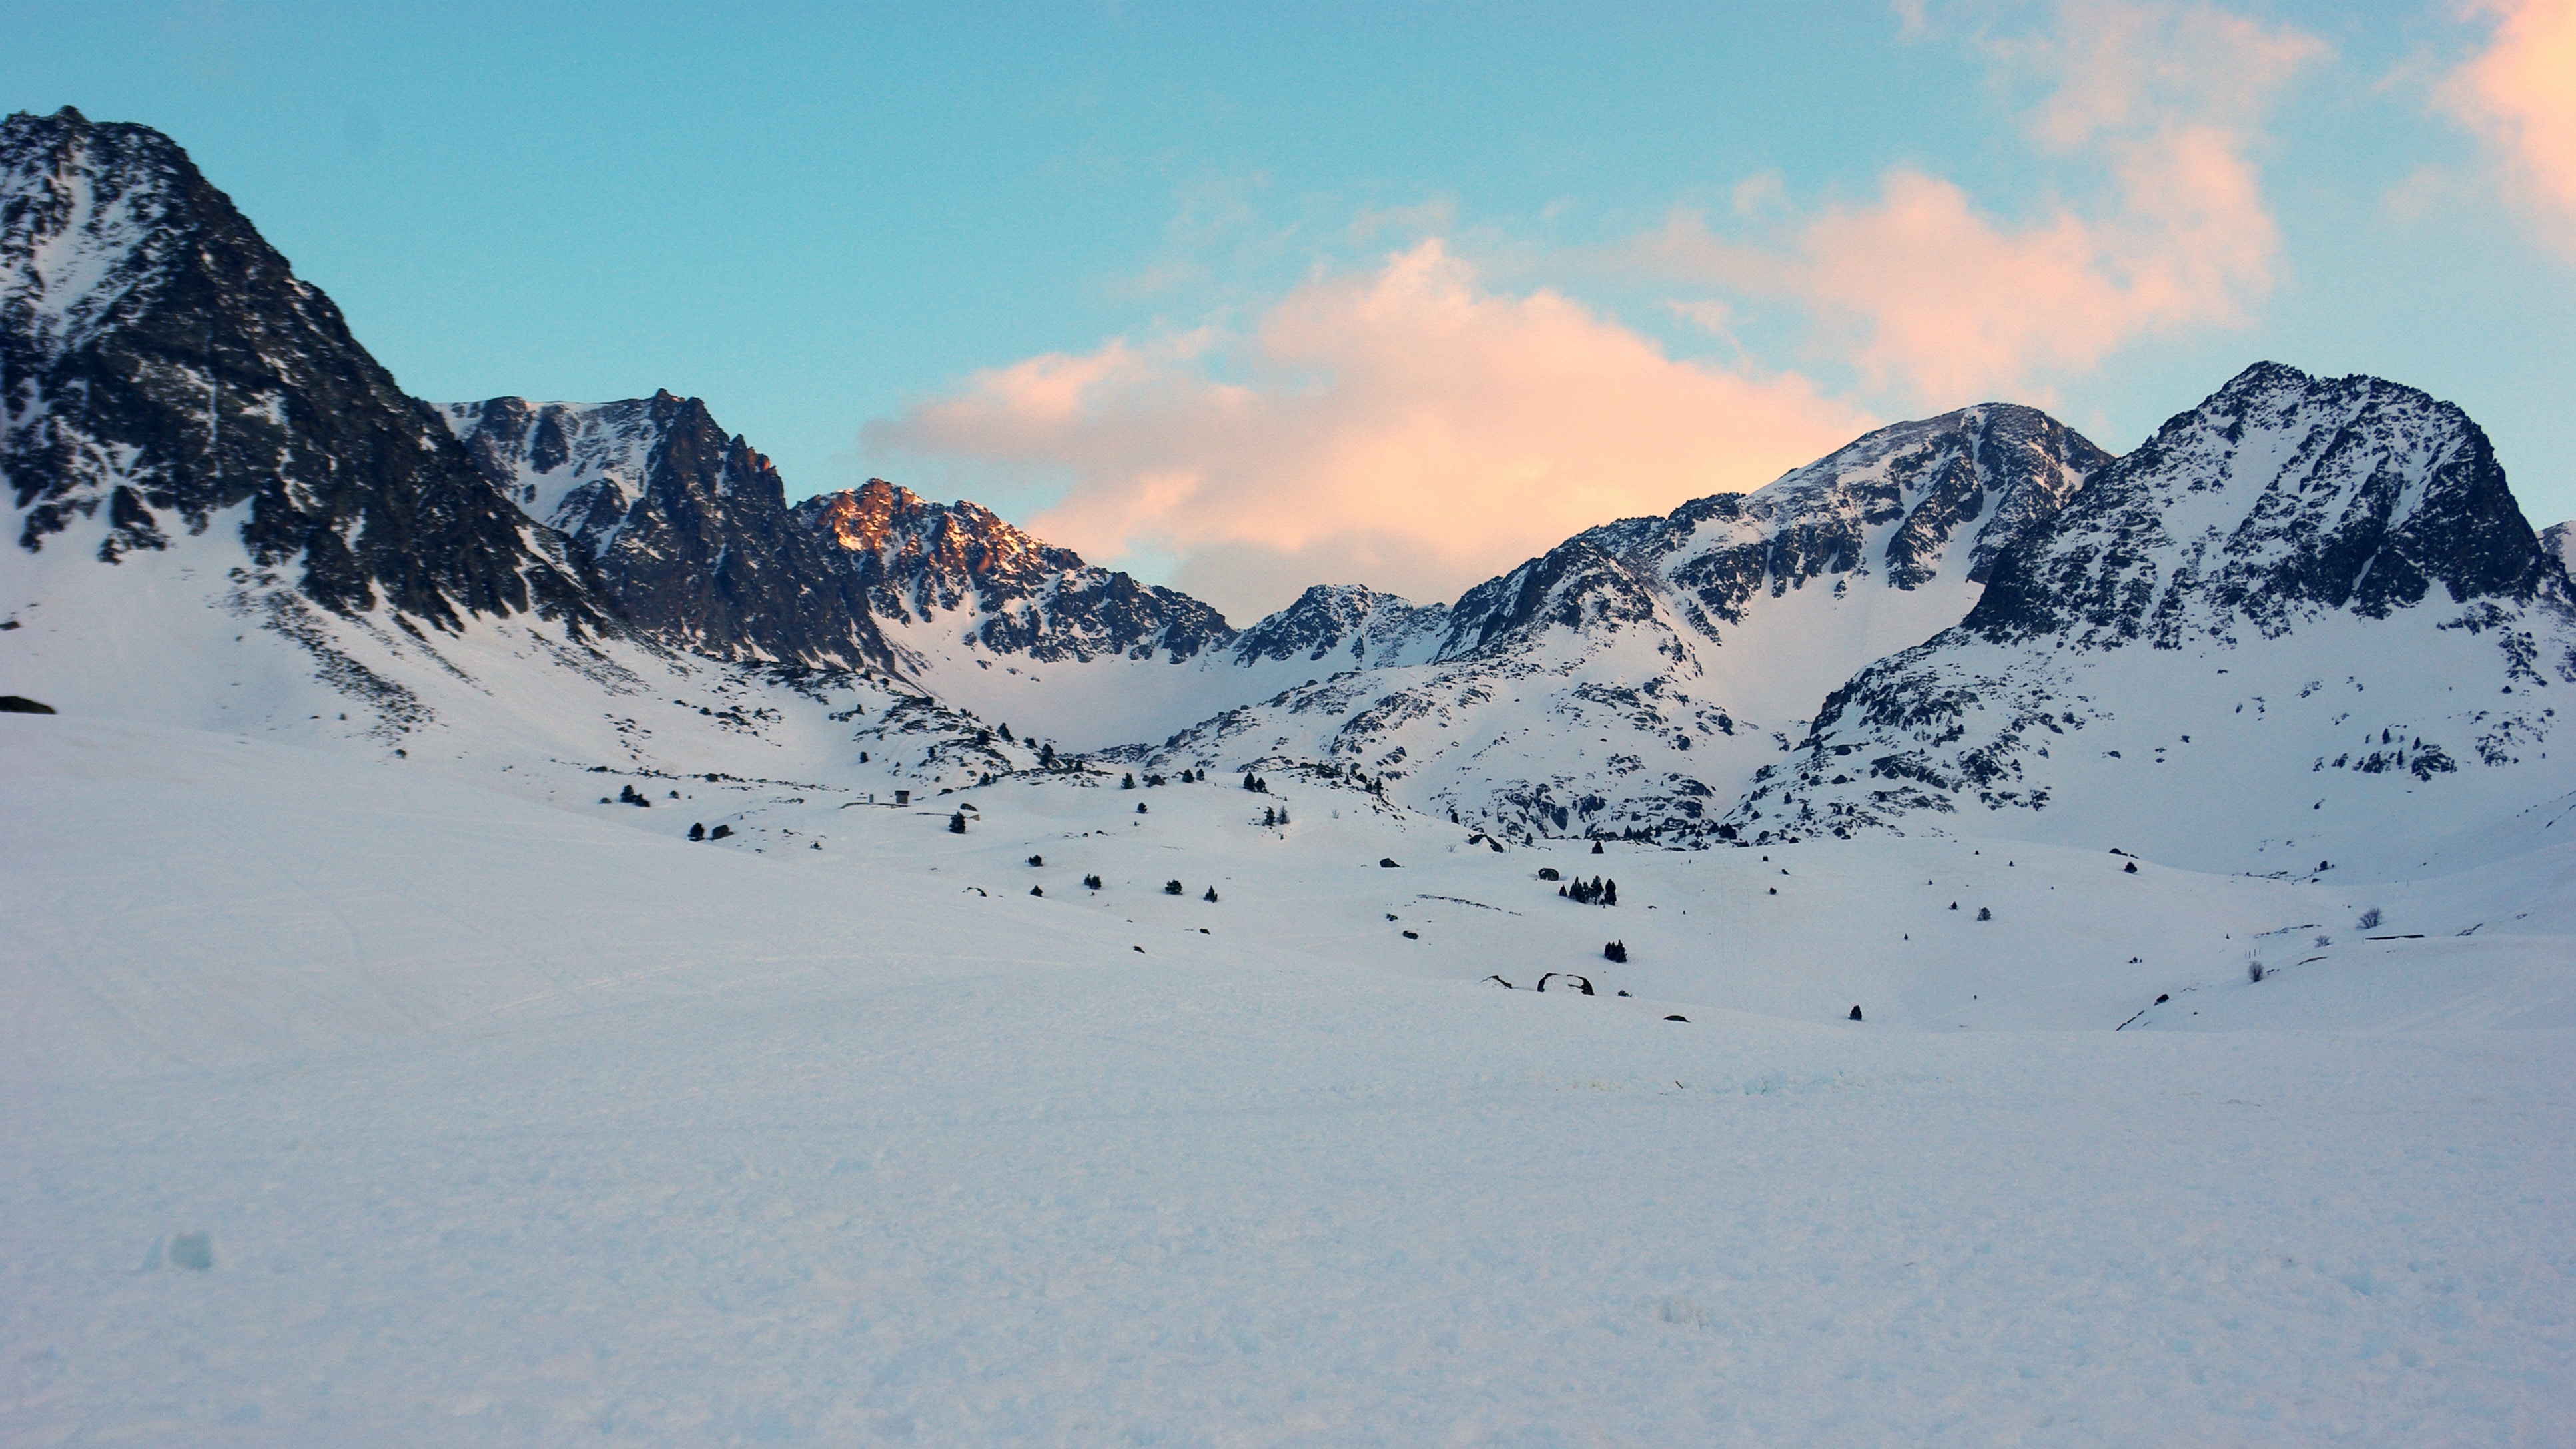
[(2370, 919), (1037, 860), (2254, 968), (1615, 951), (1037, 890), (1548, 872), (1172, 888), (957, 823), (1594, 892), (1984, 914), (1141, 810), (1210, 897), (1092, 881), (698, 831)]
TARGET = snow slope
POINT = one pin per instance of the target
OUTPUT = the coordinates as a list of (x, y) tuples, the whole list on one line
[(494, 1116)]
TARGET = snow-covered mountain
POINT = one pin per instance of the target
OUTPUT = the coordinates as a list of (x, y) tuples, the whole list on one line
[(688, 527), (1627, 681), (163, 374), (230, 518), (2304, 623), (997, 621)]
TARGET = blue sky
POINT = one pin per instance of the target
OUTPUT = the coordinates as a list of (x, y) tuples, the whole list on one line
[(1338, 293)]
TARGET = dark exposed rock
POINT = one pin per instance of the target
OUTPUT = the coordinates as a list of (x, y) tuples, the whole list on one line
[(688, 527), (20, 704), (161, 363)]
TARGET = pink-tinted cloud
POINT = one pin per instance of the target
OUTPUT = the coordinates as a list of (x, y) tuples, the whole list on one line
[(1402, 427), (1930, 294), (2520, 93)]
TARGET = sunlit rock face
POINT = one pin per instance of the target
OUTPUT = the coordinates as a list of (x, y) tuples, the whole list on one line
[(2304, 613), (163, 373), (687, 526), (960, 568)]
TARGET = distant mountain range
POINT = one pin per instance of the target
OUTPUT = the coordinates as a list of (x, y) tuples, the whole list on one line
[(2306, 613)]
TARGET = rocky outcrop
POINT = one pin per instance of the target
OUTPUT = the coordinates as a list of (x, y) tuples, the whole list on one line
[(687, 526), (162, 370), (957, 567)]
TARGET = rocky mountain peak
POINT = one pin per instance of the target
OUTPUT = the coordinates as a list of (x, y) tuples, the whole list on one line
[(160, 363), (686, 524), (953, 542), (1351, 625), (2281, 497)]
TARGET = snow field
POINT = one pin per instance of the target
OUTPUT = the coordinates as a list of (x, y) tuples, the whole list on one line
[(512, 1121)]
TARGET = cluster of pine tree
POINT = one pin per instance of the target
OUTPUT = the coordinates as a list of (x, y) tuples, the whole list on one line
[(1594, 892), (1255, 783), (1274, 816)]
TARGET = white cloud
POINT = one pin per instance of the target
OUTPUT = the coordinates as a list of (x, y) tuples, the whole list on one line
[(1401, 427)]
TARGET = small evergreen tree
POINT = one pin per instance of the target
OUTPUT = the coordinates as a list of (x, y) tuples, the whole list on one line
[(1037, 890), (1092, 881), (1210, 897), (1141, 810), (1596, 847), (1127, 782), (1006, 735), (698, 831), (1984, 914), (1610, 893), (1172, 888), (957, 823)]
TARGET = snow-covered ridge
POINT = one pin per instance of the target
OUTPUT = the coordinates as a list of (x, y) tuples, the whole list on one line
[(956, 568), (2304, 623), (1633, 677)]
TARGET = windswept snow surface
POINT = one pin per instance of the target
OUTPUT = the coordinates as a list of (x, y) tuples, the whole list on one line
[(496, 1118)]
